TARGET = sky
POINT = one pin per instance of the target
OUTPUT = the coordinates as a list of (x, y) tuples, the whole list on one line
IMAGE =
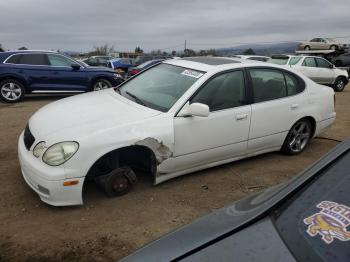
[(79, 25)]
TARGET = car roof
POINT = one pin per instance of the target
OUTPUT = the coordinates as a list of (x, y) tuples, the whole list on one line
[(205, 63), (29, 51)]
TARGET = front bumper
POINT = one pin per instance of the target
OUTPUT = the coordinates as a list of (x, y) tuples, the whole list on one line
[(47, 181)]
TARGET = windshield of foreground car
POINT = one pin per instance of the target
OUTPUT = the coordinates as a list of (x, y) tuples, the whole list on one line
[(161, 86)]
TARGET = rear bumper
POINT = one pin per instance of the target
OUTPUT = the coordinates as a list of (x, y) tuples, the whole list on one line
[(48, 181), (324, 124)]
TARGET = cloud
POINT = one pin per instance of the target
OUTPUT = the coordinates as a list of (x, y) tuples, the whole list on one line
[(163, 24)]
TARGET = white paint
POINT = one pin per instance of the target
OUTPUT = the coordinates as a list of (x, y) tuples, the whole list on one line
[(104, 121)]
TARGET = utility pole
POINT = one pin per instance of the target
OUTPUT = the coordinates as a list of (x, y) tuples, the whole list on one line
[(185, 46)]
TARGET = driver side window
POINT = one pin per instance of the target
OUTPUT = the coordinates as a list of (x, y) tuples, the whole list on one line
[(222, 92), (57, 60)]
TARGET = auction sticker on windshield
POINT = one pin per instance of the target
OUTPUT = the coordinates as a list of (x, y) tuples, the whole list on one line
[(330, 222), (192, 73)]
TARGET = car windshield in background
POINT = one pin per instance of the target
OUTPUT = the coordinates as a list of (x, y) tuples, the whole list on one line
[(278, 60), (161, 86), (294, 60), (314, 223)]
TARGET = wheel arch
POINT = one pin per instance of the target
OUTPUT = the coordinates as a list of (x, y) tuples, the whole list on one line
[(17, 78), (311, 119)]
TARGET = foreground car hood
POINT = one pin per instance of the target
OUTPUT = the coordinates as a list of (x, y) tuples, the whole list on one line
[(82, 115)]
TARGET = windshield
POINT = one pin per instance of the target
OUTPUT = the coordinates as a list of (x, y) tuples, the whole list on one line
[(160, 86), (315, 223), (278, 61)]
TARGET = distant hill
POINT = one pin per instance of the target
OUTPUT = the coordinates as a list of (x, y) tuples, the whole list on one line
[(260, 49)]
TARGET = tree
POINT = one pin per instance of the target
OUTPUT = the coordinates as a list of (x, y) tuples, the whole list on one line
[(249, 51), (189, 52), (102, 50), (138, 50), (1, 49), (173, 53), (23, 48)]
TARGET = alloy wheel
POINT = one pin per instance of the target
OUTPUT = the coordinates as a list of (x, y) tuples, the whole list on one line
[(100, 85), (300, 136), (11, 91)]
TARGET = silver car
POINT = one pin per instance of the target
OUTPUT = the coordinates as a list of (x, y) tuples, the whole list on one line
[(321, 44)]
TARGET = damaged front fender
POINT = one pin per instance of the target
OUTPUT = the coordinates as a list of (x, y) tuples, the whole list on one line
[(161, 151)]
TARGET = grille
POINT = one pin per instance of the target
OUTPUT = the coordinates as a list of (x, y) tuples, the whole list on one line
[(28, 138)]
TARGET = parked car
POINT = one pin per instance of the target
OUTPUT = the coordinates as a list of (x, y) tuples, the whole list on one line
[(144, 58), (175, 118), (253, 57), (121, 64), (97, 60), (342, 60), (306, 219), (316, 68), (24, 72), (135, 70), (321, 44)]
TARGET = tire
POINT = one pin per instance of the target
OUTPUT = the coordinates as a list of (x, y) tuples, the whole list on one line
[(298, 138), (119, 182), (11, 91), (307, 48), (333, 47), (101, 84), (339, 84)]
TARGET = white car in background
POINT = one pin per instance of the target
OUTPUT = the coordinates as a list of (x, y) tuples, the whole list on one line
[(260, 58), (316, 68), (175, 118)]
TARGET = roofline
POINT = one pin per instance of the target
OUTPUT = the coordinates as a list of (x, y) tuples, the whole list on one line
[(33, 50)]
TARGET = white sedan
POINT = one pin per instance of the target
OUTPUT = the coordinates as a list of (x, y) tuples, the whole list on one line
[(172, 119)]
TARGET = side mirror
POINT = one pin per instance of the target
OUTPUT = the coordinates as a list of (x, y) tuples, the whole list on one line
[(195, 109), (75, 66)]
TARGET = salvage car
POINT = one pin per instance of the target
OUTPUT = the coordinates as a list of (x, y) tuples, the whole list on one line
[(316, 68), (97, 60), (306, 219), (25, 72), (135, 70), (322, 44), (253, 57), (342, 60), (177, 117)]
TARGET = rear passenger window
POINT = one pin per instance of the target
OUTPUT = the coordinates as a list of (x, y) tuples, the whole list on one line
[(292, 85), (309, 62), (267, 84), (33, 59), (294, 60), (222, 92), (13, 59)]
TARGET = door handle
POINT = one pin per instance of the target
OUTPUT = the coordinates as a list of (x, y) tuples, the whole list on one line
[(241, 116), (294, 106)]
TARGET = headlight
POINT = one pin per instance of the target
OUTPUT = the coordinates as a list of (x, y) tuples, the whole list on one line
[(59, 153), (39, 148)]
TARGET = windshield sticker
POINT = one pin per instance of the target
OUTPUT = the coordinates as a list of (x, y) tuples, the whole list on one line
[(330, 222), (192, 73)]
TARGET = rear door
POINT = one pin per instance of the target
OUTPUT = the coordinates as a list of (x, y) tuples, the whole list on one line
[(326, 71), (63, 77), (33, 67), (278, 104), (309, 68)]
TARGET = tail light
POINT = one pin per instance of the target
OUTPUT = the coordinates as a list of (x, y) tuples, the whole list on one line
[(134, 72)]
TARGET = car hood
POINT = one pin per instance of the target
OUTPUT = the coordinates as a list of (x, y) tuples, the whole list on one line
[(83, 115)]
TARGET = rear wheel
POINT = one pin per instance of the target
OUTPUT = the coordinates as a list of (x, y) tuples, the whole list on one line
[(298, 138), (11, 91), (339, 84), (101, 84), (333, 47)]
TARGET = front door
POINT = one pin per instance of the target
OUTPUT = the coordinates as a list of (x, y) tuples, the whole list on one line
[(62, 76), (221, 135), (326, 71)]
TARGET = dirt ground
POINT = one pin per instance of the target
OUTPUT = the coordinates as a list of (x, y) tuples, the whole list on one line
[(106, 229)]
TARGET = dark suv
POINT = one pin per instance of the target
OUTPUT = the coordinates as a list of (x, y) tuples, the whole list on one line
[(24, 72)]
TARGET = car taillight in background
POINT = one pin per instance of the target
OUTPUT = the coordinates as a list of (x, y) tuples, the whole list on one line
[(134, 72)]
